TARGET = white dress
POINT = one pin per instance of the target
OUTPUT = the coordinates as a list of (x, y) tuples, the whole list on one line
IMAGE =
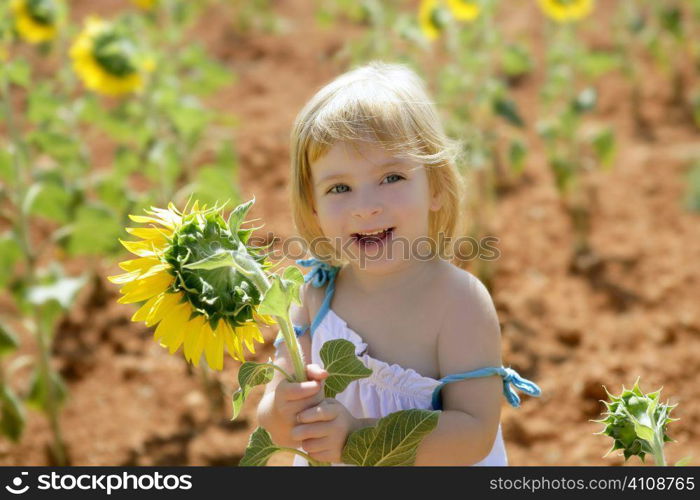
[(391, 388)]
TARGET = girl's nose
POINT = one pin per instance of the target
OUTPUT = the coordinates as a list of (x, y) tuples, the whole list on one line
[(367, 210)]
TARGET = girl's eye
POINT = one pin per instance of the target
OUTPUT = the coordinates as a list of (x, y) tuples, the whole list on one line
[(393, 175), (340, 186)]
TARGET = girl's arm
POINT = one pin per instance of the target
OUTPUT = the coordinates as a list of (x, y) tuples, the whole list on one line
[(469, 339)]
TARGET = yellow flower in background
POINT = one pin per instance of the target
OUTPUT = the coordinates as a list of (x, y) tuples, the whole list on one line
[(107, 60), (36, 21), (432, 18), (464, 10), (144, 4), (564, 11), (201, 310)]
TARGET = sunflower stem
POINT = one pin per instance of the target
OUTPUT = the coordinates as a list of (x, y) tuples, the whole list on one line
[(263, 284), (312, 462), (658, 449)]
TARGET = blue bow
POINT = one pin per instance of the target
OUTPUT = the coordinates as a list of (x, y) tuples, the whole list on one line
[(321, 272), (510, 376)]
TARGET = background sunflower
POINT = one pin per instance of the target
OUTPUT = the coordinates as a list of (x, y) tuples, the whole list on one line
[(107, 60)]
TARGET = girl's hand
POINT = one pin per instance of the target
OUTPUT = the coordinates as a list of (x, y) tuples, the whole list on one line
[(324, 429), (293, 397)]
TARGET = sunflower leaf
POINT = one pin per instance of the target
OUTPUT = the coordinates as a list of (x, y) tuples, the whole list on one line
[(282, 292), (249, 375), (39, 391), (260, 449), (235, 219), (342, 365), (8, 340), (392, 441), (13, 415)]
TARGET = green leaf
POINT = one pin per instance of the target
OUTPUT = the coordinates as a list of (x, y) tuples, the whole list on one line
[(62, 147), (19, 72), (8, 340), (643, 431), (604, 147), (249, 375), (47, 199), (683, 461), (595, 64), (393, 441), (508, 109), (96, 231), (235, 218), (517, 152), (515, 60), (283, 291), (213, 183), (240, 260), (260, 449), (13, 415), (43, 104), (39, 391), (342, 365), (7, 172), (10, 253)]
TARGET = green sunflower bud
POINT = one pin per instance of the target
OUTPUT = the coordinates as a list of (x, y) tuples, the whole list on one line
[(637, 423)]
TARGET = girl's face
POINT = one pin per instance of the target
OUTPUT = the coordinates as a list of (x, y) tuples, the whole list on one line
[(362, 188)]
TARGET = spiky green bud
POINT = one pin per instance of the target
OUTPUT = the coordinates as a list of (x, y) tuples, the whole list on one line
[(637, 423)]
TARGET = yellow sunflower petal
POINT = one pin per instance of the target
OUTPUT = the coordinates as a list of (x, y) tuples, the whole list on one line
[(140, 248), (172, 322), (214, 348), (120, 279), (145, 287), (233, 345), (159, 235), (164, 306), (142, 264), (264, 318), (147, 308), (175, 336), (142, 219)]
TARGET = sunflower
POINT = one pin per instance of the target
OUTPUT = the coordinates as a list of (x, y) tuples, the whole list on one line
[(564, 11), (464, 10), (36, 21), (432, 17), (144, 4), (107, 60), (202, 310)]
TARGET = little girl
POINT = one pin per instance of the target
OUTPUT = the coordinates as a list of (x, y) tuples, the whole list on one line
[(376, 195)]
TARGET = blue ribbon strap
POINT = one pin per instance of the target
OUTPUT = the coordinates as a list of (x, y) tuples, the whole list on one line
[(509, 375), (321, 272)]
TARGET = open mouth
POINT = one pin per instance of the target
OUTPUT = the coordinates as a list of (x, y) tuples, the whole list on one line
[(378, 237)]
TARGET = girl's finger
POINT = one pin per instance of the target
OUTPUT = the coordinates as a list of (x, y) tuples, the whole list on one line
[(302, 390), (315, 445), (322, 412), (315, 372), (310, 431)]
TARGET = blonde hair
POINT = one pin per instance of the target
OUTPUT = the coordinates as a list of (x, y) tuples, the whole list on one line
[(386, 104)]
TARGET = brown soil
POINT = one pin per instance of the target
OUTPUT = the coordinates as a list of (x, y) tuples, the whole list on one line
[(634, 312)]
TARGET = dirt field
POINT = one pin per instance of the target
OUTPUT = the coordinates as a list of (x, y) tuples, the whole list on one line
[(634, 314)]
